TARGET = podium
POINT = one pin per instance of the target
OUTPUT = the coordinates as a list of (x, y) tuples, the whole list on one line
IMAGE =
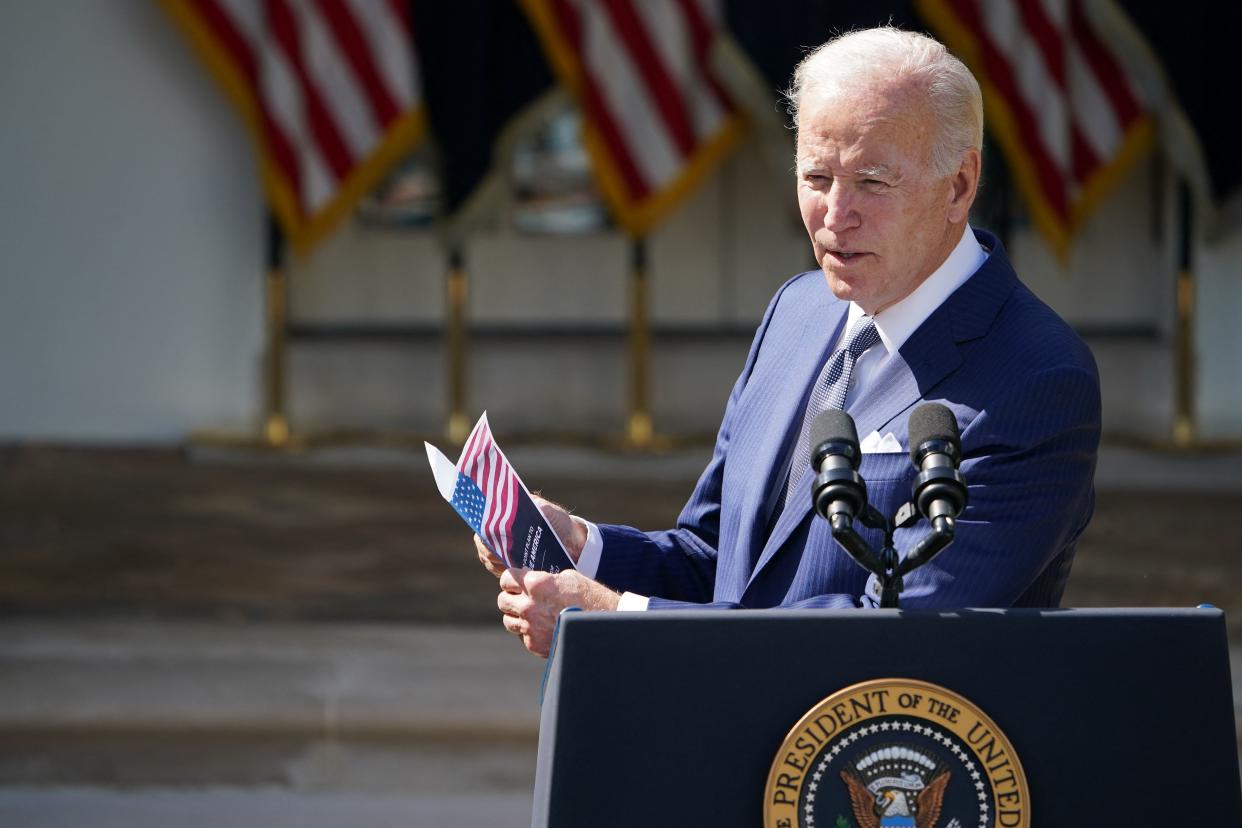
[(1118, 717)]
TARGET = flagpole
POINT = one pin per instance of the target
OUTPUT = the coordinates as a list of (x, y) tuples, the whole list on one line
[(275, 422), (458, 428), (638, 429), (1184, 359)]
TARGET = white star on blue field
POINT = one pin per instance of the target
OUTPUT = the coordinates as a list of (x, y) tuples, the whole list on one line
[(469, 502)]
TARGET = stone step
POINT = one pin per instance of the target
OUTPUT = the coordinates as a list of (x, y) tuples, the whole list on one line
[(307, 706)]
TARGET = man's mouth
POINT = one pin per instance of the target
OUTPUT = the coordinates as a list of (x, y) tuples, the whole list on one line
[(845, 255)]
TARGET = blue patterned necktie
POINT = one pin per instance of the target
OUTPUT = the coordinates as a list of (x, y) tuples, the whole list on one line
[(829, 392)]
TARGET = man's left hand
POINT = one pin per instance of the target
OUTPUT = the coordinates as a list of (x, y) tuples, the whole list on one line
[(530, 602)]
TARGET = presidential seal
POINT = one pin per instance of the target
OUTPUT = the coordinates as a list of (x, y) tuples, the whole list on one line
[(896, 752)]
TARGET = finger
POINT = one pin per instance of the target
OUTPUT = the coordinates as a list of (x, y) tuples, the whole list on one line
[(511, 604), (488, 556), (489, 560), (511, 580), (514, 625), (534, 581), (537, 640), (572, 535)]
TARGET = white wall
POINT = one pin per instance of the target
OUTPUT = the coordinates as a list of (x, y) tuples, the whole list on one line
[(130, 231), (1218, 344), (131, 242)]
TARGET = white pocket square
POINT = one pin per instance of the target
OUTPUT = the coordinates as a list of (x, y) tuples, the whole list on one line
[(875, 444)]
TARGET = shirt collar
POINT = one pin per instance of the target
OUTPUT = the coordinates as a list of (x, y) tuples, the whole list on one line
[(896, 322)]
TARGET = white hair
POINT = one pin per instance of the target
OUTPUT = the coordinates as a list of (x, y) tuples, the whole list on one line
[(895, 54)]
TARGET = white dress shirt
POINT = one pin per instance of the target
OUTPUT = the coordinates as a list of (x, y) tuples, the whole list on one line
[(895, 324)]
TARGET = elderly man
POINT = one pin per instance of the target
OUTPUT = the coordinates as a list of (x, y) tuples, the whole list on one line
[(918, 307)]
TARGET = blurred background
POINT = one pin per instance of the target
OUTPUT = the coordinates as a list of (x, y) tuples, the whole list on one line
[(255, 251)]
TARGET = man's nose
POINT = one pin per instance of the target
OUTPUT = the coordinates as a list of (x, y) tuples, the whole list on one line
[(840, 212)]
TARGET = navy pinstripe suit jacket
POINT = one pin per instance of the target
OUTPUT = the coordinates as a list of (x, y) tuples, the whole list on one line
[(1025, 391)]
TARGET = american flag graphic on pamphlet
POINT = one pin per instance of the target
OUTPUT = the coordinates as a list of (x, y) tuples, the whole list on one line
[(485, 490)]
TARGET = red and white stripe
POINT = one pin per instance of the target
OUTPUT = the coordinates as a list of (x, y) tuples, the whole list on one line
[(482, 461), (646, 85), (1071, 103), (328, 77)]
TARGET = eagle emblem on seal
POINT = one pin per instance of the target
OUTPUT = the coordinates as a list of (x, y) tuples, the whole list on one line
[(896, 786)]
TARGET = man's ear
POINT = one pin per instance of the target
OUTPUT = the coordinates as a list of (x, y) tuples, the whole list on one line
[(965, 184)]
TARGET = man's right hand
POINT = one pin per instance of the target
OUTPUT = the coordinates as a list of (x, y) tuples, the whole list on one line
[(573, 535)]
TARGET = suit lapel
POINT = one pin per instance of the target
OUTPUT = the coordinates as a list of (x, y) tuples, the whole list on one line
[(797, 358), (902, 383)]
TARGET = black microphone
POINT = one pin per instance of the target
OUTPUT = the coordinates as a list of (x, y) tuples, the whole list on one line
[(935, 449), (839, 489)]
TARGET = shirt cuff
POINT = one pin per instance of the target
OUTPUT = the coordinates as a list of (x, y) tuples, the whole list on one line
[(632, 603), (588, 559)]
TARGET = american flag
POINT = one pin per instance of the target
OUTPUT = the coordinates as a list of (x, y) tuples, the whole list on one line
[(1066, 115), (328, 88), (488, 489), (657, 118)]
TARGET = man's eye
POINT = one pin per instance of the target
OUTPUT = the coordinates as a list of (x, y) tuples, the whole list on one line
[(874, 182)]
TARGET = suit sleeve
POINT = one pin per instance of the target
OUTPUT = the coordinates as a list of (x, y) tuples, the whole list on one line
[(680, 563), (1029, 463)]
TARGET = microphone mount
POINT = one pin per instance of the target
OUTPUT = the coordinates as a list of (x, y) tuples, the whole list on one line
[(885, 563)]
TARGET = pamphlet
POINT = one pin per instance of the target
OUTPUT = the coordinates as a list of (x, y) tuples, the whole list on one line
[(485, 490)]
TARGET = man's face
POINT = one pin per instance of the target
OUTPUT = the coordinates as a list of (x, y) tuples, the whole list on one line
[(879, 219)]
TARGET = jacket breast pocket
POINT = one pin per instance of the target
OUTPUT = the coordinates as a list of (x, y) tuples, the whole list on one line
[(887, 466), (888, 477)]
